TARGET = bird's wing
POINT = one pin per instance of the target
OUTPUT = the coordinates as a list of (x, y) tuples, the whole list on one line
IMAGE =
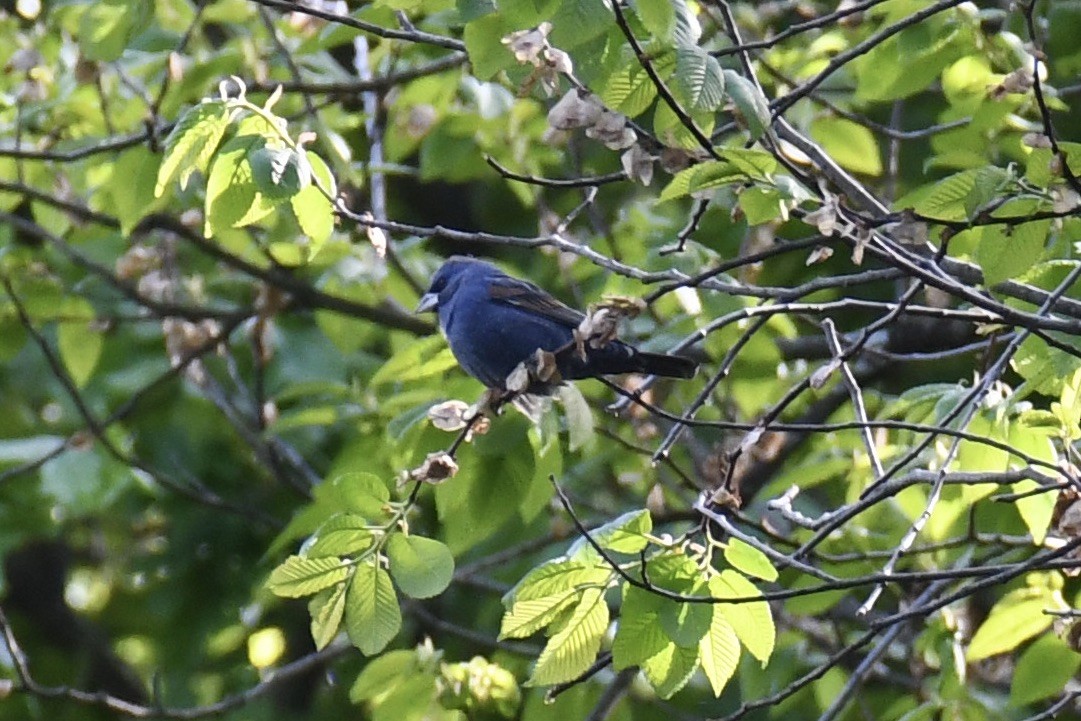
[(528, 297)]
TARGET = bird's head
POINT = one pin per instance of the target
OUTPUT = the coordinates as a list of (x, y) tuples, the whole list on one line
[(447, 279)]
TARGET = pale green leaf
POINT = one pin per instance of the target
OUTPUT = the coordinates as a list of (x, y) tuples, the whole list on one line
[(192, 143), (232, 198), (571, 651), (852, 145), (299, 576), (531, 615), (751, 620), (719, 651), (625, 534), (372, 615), (1007, 252), (326, 609), (745, 557), (313, 211)]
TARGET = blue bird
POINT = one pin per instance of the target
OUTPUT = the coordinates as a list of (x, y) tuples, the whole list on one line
[(494, 322)]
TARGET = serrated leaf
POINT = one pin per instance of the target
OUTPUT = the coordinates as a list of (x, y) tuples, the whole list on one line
[(751, 620), (1009, 252), (625, 534), (372, 615), (313, 211), (685, 624), (1035, 510), (326, 610), (192, 143), (658, 17), (555, 576), (422, 567), (698, 81), (571, 651), (527, 617), (745, 557), (362, 493), (749, 101), (341, 535), (298, 576), (639, 635), (630, 91), (671, 669), (718, 652), (579, 417), (949, 198)]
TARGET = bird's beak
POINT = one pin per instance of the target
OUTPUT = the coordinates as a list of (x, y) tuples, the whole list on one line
[(428, 302)]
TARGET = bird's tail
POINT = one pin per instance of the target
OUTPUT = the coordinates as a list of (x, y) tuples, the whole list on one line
[(660, 364)]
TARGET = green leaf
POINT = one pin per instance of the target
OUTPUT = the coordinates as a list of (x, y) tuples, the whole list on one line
[(313, 211), (698, 81), (279, 172), (1007, 252), (382, 675), (483, 41), (422, 567), (423, 358), (950, 197), (1017, 617), (625, 534), (326, 609), (577, 21), (78, 341), (108, 26), (556, 576), (1035, 510), (852, 145), (528, 616), (658, 17), (639, 635), (1043, 670), (718, 651), (745, 557), (372, 615), (630, 90), (362, 493), (760, 205), (749, 101), (685, 623), (131, 187), (299, 576), (571, 651), (233, 199), (192, 143), (751, 620), (671, 669), (580, 431), (341, 535)]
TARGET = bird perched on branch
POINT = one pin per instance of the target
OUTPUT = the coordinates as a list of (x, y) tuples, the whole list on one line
[(512, 336)]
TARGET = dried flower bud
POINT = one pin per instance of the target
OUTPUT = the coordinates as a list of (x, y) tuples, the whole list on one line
[(819, 254), (528, 44), (449, 415), (437, 467), (638, 164), (575, 110), (611, 129)]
